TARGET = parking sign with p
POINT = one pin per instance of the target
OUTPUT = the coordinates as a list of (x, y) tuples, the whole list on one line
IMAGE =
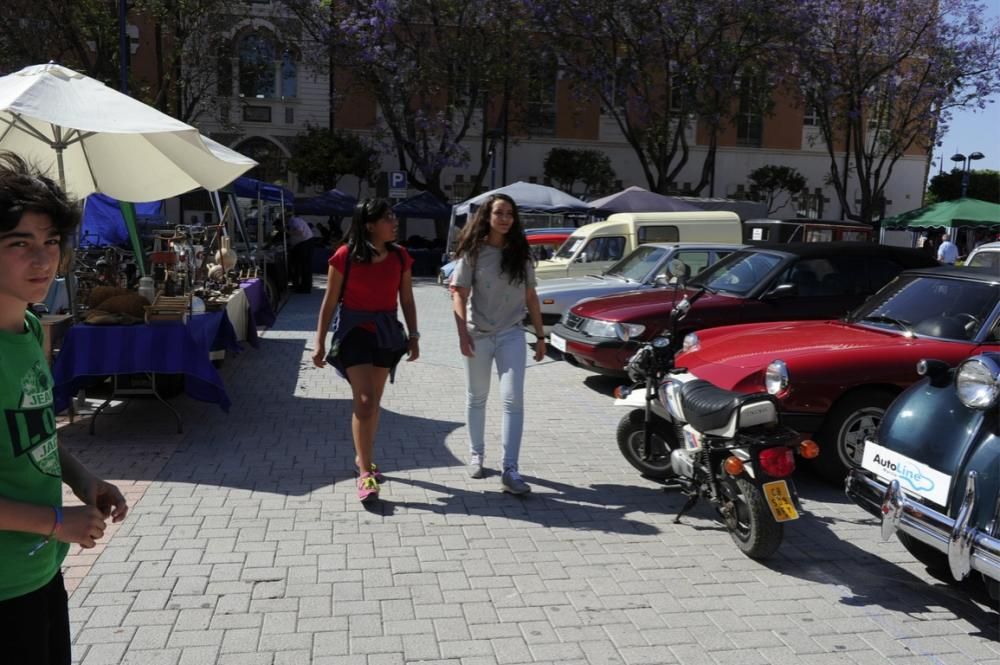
[(397, 184)]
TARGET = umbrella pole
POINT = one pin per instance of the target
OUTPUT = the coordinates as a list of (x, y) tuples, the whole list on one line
[(71, 295)]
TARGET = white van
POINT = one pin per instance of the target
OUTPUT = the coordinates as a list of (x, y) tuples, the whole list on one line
[(595, 247)]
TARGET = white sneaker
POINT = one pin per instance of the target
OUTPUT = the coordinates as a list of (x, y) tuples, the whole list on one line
[(475, 466)]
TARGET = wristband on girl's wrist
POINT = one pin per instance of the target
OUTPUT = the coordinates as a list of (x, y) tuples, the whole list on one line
[(55, 527)]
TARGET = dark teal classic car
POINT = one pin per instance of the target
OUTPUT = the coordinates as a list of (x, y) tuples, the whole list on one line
[(932, 472)]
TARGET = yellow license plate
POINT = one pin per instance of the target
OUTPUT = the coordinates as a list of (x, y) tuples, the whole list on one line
[(779, 500)]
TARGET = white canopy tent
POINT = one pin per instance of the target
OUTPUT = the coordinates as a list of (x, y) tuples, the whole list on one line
[(96, 139)]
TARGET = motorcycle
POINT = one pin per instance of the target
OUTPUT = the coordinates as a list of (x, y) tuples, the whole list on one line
[(723, 446), (930, 473)]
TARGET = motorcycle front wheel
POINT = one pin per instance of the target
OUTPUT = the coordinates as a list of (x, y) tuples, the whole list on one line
[(750, 522), (631, 443)]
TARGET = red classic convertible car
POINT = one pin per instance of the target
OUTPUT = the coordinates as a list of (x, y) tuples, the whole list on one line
[(789, 282), (834, 379)]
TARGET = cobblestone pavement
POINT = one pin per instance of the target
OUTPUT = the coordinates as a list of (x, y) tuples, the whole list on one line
[(246, 544)]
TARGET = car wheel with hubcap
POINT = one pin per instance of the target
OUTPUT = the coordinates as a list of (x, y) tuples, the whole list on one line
[(842, 436)]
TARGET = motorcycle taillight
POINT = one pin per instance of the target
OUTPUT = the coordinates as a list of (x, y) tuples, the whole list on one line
[(777, 462)]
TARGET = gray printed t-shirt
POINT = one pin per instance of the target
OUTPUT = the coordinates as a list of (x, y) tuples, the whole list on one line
[(495, 304)]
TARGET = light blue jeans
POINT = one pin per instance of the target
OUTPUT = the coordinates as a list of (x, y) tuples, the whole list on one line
[(508, 349)]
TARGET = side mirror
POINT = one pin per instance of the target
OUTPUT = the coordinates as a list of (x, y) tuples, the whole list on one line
[(661, 280), (781, 291), (679, 270), (583, 258)]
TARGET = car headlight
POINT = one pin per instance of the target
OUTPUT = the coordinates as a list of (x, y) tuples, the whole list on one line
[(599, 328), (776, 377), (690, 343), (626, 331), (978, 382)]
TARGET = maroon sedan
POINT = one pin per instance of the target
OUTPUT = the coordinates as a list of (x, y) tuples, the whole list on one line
[(765, 283), (835, 379)]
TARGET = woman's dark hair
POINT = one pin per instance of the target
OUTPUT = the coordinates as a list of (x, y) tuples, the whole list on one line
[(516, 251), (23, 189), (359, 244)]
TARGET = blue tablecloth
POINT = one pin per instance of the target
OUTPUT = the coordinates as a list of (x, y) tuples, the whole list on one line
[(166, 348), (261, 313)]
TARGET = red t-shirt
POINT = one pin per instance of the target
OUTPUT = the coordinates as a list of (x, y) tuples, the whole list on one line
[(372, 286)]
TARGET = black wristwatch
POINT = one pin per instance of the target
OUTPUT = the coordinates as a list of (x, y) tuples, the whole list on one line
[(414, 335)]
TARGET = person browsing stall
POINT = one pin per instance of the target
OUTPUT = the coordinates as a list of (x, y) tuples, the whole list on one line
[(492, 286), (365, 278), (36, 221)]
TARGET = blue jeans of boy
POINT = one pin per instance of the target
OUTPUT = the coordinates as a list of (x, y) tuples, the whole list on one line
[(508, 350)]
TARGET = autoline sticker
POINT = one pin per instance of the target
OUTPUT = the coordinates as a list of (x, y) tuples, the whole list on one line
[(913, 477)]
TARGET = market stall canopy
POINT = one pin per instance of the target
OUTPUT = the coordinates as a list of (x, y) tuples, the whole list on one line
[(947, 214), (104, 224), (529, 197), (96, 139), (424, 205), (637, 199), (250, 188), (332, 202)]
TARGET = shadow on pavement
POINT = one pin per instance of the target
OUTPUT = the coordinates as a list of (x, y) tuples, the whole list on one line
[(820, 552), (273, 439), (562, 505)]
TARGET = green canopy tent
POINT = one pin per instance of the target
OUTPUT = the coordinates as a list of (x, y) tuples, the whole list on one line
[(959, 213)]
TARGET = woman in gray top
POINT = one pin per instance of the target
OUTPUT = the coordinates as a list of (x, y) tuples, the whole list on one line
[(493, 284)]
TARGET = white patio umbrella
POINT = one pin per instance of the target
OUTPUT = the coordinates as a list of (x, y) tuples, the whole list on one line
[(96, 139)]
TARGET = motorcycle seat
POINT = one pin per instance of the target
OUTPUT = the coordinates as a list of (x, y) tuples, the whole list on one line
[(716, 411)]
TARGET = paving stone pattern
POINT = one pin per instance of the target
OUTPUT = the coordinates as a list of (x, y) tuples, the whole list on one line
[(246, 544)]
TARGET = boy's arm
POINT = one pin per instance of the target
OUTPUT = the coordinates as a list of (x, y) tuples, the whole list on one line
[(80, 524), (90, 489)]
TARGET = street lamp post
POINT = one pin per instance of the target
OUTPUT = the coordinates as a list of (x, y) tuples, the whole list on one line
[(966, 161)]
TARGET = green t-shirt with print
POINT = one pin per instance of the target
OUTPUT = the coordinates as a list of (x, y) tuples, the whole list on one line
[(29, 458)]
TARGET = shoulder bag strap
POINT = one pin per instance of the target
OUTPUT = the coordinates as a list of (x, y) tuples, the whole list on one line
[(347, 271)]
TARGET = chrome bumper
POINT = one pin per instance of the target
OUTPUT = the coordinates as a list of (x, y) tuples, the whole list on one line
[(966, 547)]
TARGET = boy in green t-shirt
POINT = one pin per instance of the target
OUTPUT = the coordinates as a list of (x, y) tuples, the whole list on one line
[(36, 218)]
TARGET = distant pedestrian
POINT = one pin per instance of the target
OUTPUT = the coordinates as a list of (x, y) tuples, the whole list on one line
[(492, 287), (947, 251), (300, 250), (366, 277), (36, 221)]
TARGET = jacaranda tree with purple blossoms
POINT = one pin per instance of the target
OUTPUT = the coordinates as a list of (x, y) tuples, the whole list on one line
[(659, 66), (883, 77), (440, 70)]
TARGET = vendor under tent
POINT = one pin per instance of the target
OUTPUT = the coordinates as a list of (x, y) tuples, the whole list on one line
[(423, 212), (637, 199)]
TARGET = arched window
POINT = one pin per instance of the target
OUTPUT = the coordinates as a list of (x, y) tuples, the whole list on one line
[(266, 69), (271, 161)]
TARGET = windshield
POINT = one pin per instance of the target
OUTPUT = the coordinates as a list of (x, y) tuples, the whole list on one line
[(569, 247), (939, 307), (985, 259), (739, 273), (639, 263)]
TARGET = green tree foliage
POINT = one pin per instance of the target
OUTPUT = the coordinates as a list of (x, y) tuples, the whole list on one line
[(882, 78), (983, 185), (771, 180), (442, 72), (592, 168), (322, 157), (658, 66)]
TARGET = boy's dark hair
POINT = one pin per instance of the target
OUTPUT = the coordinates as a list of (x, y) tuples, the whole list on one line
[(23, 189), (359, 245)]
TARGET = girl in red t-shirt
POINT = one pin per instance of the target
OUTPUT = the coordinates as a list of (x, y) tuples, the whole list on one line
[(368, 337)]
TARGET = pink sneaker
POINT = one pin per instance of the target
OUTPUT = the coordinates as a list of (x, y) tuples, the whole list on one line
[(367, 487), (374, 469)]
